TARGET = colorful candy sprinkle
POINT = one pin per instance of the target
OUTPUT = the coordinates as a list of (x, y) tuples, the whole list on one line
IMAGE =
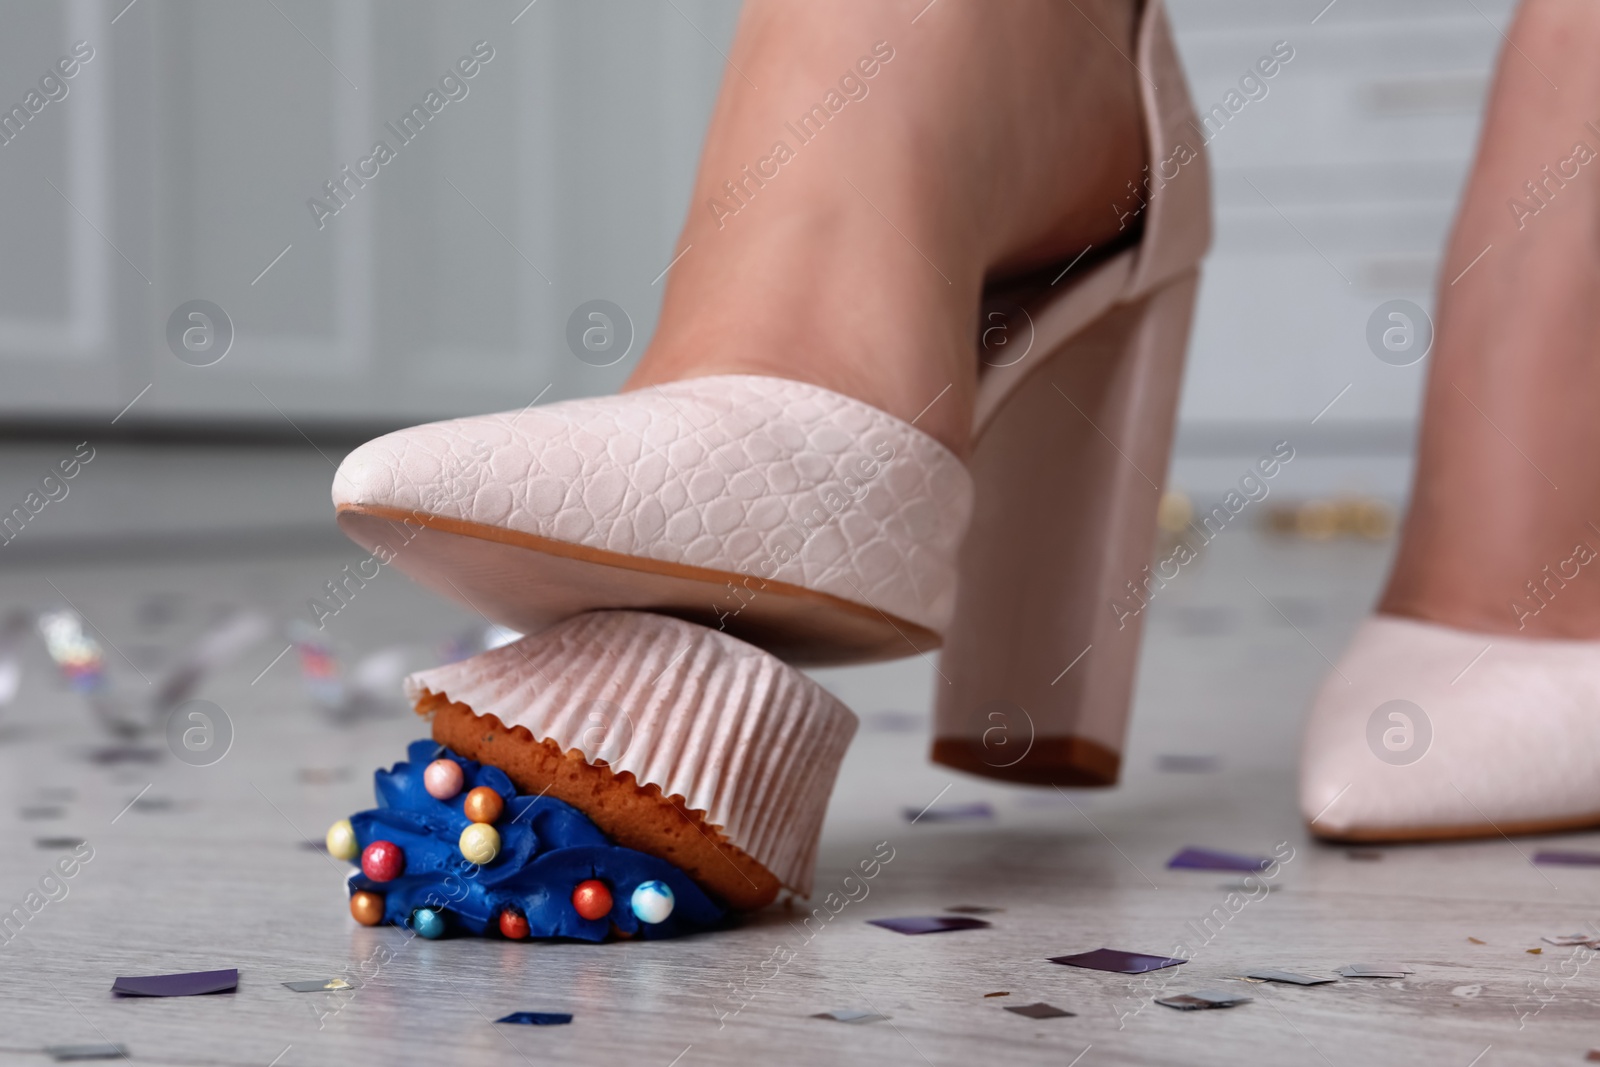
[(592, 899), (341, 841), (483, 805), (513, 924), (480, 843), (428, 922), (383, 861), (443, 779), (366, 908), (652, 902)]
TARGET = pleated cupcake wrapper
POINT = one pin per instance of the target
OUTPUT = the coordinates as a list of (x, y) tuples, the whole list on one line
[(729, 729)]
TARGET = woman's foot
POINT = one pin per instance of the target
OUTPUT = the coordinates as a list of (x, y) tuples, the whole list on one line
[(1505, 510), (966, 140), (1470, 705)]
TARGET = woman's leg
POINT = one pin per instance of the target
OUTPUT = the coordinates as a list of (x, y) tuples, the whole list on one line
[(979, 137), (1507, 489)]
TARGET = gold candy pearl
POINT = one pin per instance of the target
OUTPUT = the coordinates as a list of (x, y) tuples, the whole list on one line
[(482, 805), (342, 841), (366, 908), (480, 843)]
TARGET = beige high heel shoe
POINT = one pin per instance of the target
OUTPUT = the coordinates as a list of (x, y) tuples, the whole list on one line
[(1070, 451), (823, 530)]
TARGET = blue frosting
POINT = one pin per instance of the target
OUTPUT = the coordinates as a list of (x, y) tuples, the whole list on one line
[(546, 848)]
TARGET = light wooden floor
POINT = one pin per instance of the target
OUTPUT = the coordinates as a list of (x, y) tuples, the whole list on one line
[(209, 870)]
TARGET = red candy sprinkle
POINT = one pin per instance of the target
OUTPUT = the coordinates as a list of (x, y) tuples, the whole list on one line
[(592, 900), (513, 925), (383, 861)]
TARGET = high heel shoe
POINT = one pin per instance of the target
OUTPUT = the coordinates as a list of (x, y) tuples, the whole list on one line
[(1070, 452), (826, 531), (1425, 732)]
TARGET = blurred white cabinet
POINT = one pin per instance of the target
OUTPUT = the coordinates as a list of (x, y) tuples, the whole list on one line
[(179, 167), (180, 163)]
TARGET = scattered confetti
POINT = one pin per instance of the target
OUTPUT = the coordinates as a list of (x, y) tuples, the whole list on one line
[(1293, 977), (537, 1018), (319, 985), (64, 1053), (82, 664), (1040, 1010), (1002, 993), (1374, 970), (1110, 959), (1204, 859), (849, 1015), (112, 755), (1203, 998), (1558, 858), (74, 652), (1534, 951), (894, 721), (57, 842), (187, 984), (973, 909), (1178, 763), (1475, 941), (42, 812), (952, 813), (370, 687), (1362, 517), (224, 640), (1568, 940), (929, 924)]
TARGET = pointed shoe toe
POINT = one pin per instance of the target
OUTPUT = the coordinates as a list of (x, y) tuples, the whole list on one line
[(1425, 732), (798, 519)]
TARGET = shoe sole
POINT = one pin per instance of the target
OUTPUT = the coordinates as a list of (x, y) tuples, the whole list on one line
[(530, 583), (1422, 834)]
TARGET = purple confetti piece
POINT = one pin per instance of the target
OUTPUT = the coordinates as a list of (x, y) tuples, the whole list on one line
[(952, 813), (1204, 859), (1110, 959), (537, 1018), (851, 1015), (1040, 1010), (188, 984), (1182, 763), (930, 924), (1201, 999), (1558, 858)]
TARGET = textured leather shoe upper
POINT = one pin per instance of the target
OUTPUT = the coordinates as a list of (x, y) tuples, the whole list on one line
[(1420, 729), (743, 473)]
